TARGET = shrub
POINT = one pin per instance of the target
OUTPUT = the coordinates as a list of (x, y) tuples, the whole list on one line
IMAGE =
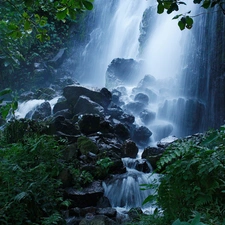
[(194, 178), (29, 186)]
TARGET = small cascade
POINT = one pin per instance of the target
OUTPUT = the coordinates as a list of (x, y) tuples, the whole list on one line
[(123, 190), (26, 108)]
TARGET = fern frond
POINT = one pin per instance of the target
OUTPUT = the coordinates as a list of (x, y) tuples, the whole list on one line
[(20, 196)]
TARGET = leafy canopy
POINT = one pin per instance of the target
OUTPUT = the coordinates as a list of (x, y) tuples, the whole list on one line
[(185, 20), (24, 22)]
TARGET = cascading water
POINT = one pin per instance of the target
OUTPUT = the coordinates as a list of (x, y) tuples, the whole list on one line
[(114, 34), (131, 29)]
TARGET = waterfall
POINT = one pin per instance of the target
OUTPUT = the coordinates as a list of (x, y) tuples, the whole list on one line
[(179, 73), (132, 29), (123, 190), (114, 34)]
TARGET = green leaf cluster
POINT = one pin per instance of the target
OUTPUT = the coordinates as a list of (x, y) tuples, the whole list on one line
[(7, 107), (29, 185), (102, 167), (185, 21), (25, 27), (194, 177)]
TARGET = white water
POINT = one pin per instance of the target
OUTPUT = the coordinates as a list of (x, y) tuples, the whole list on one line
[(115, 35), (28, 106)]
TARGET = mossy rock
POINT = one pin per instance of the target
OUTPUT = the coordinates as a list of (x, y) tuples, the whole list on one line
[(86, 145)]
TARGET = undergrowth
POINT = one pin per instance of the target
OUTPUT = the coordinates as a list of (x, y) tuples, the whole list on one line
[(29, 186), (193, 179)]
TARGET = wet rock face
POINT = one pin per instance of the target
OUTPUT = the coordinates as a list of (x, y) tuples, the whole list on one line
[(129, 149), (152, 154), (84, 105), (89, 196), (141, 135), (122, 71), (143, 98), (134, 108), (73, 92), (146, 82), (89, 123), (147, 116), (97, 220), (42, 111)]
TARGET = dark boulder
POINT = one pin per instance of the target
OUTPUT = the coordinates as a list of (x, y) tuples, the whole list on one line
[(84, 105), (45, 93), (122, 131), (42, 111), (147, 116), (134, 107), (97, 220), (152, 96), (141, 135), (127, 118), (141, 97), (61, 124), (60, 105), (116, 97), (129, 149), (122, 71), (89, 123), (147, 81), (25, 96), (152, 154), (86, 197), (73, 92)]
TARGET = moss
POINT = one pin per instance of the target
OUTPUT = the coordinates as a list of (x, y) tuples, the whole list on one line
[(85, 145)]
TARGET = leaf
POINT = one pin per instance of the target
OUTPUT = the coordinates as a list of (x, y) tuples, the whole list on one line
[(60, 15), (43, 21), (88, 5), (181, 24), (27, 25), (149, 199), (189, 22), (14, 105), (72, 14), (173, 7), (167, 4), (196, 220), (5, 91), (197, 1), (28, 3), (206, 4), (177, 16), (177, 222), (20, 196), (4, 110), (160, 8)]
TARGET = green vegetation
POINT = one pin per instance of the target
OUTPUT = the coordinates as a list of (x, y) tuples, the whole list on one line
[(102, 167), (193, 180), (9, 106), (30, 191), (185, 20), (33, 171), (32, 32)]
